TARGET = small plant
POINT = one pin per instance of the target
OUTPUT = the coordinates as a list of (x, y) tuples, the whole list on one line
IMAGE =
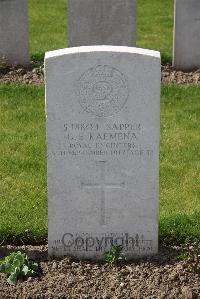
[(3, 63), (192, 255), (17, 266), (40, 68), (114, 255), (192, 251), (185, 256)]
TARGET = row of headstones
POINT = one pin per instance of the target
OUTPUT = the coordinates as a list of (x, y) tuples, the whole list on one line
[(94, 22), (103, 120)]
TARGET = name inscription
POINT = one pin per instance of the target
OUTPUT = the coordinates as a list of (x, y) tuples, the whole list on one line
[(102, 139)]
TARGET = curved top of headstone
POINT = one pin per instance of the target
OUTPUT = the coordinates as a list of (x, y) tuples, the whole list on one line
[(103, 48)]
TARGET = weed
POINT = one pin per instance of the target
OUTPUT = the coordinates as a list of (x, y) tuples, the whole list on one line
[(114, 255), (3, 63), (185, 256), (192, 255), (41, 68), (17, 266)]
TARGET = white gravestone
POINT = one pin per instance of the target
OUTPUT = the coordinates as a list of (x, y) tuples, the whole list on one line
[(187, 34), (102, 107), (102, 22), (14, 31)]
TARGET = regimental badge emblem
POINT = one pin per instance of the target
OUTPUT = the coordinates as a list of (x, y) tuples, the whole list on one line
[(102, 90)]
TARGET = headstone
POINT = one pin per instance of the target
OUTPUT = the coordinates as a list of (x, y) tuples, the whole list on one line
[(102, 22), (187, 34), (102, 107), (14, 31)]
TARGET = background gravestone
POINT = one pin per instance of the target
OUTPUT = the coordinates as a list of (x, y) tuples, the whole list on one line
[(102, 22), (102, 106), (187, 34), (14, 31)]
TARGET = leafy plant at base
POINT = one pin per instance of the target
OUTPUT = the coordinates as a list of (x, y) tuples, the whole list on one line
[(114, 255), (18, 266), (41, 68), (3, 63)]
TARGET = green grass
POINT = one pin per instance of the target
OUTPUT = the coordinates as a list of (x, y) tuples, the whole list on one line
[(155, 27), (48, 26), (23, 209), (180, 163)]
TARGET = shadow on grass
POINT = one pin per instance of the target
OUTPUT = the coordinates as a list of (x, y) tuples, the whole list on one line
[(173, 230), (38, 58), (166, 256), (166, 59), (21, 240), (37, 253)]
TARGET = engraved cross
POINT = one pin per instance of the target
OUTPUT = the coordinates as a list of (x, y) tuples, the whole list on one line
[(102, 185)]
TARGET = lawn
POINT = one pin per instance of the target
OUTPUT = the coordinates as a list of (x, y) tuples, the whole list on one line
[(23, 185), (23, 209), (180, 163), (155, 27), (48, 26)]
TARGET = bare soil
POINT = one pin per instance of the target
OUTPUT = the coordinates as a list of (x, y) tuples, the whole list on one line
[(172, 76), (35, 76), (19, 75), (162, 276)]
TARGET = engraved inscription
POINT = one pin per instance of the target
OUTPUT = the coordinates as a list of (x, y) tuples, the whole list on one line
[(102, 90), (102, 139), (102, 185), (102, 242)]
